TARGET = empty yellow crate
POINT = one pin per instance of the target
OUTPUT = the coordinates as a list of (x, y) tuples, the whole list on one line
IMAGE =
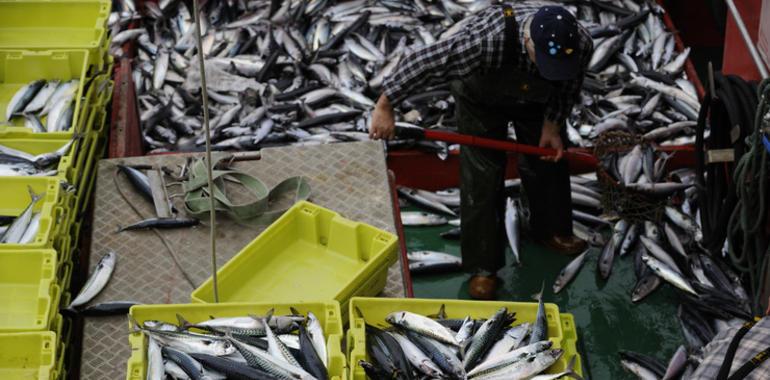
[(30, 355), (375, 310), (310, 253), (328, 313), (46, 24), (25, 289)]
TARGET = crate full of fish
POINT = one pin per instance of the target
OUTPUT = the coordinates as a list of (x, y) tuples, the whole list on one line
[(28, 153), (27, 279), (310, 253), (28, 355), (454, 339), (41, 91), (29, 212), (25, 154), (237, 340), (60, 24)]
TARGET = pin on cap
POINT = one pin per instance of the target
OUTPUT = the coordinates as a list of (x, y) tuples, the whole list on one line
[(554, 31)]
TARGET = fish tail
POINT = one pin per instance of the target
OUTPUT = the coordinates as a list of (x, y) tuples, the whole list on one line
[(135, 326), (229, 333), (570, 371), (35, 197), (538, 296), (183, 323)]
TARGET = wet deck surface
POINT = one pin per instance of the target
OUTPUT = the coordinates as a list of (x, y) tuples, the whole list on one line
[(348, 178), (606, 319)]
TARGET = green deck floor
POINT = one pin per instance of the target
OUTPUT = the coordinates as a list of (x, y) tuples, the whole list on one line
[(606, 318)]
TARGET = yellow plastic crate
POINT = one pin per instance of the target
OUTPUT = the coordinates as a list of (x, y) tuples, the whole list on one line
[(64, 275), (56, 301), (93, 142), (16, 198), (63, 249), (18, 68), (59, 24), (39, 143), (85, 164), (29, 355), (26, 278), (67, 204), (561, 327), (310, 253), (328, 313)]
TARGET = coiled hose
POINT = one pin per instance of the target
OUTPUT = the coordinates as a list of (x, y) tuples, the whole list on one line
[(748, 241), (730, 114)]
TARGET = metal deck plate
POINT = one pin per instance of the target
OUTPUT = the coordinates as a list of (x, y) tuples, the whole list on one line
[(348, 178)]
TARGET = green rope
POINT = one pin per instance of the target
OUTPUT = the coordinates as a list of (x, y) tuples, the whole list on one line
[(747, 246)]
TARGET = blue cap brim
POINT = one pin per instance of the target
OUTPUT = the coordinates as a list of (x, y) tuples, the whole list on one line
[(551, 68)]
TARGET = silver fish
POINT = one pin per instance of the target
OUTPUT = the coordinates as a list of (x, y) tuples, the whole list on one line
[(22, 98), (422, 325), (512, 228), (418, 359), (569, 272), (155, 368), (540, 327), (97, 281), (417, 218), (671, 276), (317, 337), (512, 339), (42, 97), (15, 232), (509, 358)]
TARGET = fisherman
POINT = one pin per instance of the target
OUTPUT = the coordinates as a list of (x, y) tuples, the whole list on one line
[(522, 63)]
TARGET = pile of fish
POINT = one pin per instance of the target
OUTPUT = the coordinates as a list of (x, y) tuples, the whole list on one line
[(14, 162), (668, 250), (308, 72), (418, 347), (53, 100), (21, 229), (247, 347)]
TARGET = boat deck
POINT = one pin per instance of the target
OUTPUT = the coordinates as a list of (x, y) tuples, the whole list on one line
[(606, 319), (348, 178)]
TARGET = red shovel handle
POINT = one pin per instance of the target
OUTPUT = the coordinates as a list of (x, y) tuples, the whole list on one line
[(483, 142)]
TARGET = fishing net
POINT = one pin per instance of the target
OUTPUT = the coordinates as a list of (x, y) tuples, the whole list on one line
[(630, 204)]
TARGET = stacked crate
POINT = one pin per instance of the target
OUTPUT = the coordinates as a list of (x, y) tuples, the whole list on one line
[(59, 40)]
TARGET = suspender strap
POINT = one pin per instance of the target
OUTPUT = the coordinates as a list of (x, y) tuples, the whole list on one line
[(512, 42), (727, 363), (750, 365)]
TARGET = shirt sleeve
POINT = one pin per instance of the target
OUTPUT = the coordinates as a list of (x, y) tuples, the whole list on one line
[(440, 62), (566, 93)]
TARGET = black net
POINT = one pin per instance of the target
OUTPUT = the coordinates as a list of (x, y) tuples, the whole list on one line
[(629, 204)]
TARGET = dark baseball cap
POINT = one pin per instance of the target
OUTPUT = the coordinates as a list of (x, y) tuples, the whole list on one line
[(554, 32)]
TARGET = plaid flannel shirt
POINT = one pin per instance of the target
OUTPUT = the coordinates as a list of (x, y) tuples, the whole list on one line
[(480, 46), (755, 341)]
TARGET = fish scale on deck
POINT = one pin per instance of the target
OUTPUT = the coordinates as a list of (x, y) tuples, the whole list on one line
[(314, 70)]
